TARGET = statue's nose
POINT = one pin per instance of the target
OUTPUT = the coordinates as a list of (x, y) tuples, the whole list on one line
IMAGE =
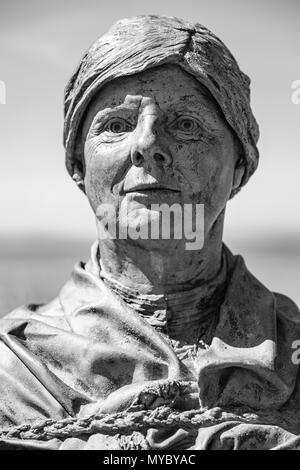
[(148, 148)]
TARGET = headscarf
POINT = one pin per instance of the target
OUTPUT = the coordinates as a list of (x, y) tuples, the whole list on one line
[(143, 42)]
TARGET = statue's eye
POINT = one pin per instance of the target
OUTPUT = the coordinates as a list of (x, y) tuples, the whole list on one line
[(117, 126), (186, 124)]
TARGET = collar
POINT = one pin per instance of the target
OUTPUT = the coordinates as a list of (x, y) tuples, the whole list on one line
[(171, 313)]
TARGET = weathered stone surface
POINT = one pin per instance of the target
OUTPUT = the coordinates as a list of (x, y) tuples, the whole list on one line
[(150, 344)]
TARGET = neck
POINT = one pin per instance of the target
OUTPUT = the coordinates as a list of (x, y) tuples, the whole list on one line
[(162, 269)]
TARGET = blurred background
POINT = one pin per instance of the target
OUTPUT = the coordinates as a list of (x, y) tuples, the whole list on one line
[(46, 224)]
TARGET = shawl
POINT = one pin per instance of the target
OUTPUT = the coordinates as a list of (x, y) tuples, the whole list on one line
[(88, 350)]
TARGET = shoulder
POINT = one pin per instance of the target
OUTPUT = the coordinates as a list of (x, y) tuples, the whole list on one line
[(286, 308), (50, 313)]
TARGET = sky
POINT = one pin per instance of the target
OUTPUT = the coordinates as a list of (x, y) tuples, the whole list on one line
[(41, 43)]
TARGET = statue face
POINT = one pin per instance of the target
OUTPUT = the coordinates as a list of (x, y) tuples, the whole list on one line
[(158, 137)]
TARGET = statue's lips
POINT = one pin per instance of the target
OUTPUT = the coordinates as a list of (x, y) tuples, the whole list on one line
[(150, 187)]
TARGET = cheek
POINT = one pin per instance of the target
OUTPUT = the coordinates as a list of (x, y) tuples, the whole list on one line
[(106, 165), (205, 171), (217, 186)]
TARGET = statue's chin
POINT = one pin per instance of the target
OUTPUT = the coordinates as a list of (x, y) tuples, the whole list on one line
[(161, 246), (149, 225)]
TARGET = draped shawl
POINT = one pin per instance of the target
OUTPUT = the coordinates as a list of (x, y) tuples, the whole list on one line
[(87, 349)]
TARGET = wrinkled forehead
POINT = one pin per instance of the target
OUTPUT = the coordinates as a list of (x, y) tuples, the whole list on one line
[(168, 86)]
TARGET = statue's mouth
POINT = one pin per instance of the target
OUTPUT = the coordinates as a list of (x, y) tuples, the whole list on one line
[(151, 187)]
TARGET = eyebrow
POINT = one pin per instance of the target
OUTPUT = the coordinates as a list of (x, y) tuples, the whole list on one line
[(135, 104), (195, 107), (123, 106), (186, 104)]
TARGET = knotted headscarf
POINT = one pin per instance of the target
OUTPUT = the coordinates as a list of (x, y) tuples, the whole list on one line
[(140, 43)]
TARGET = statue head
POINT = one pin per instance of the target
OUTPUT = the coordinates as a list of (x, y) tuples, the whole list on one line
[(158, 111)]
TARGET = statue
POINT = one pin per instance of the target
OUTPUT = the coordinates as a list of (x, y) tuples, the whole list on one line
[(180, 345)]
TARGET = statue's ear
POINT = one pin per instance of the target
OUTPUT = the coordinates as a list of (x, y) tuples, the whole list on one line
[(79, 167), (238, 175), (240, 169)]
